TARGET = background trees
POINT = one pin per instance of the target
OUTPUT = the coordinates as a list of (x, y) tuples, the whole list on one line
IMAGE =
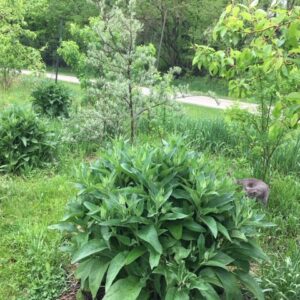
[(14, 53), (172, 26)]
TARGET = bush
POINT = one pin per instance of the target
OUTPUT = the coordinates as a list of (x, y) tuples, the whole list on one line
[(25, 141), (159, 223), (87, 126), (51, 99)]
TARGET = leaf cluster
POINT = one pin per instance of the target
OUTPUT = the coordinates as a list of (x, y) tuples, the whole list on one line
[(25, 141), (158, 222), (51, 99)]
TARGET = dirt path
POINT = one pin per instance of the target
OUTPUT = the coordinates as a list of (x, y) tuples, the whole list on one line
[(195, 100)]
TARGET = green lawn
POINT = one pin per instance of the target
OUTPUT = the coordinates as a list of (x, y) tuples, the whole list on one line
[(198, 112), (29, 255), (202, 85), (61, 70)]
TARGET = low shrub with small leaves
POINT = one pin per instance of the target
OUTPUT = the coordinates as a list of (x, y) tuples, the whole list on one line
[(161, 223), (51, 99), (25, 141), (87, 126)]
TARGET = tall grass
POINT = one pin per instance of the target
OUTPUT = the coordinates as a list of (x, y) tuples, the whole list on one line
[(287, 157)]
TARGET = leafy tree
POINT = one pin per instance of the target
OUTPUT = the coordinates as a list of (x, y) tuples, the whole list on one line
[(122, 68), (261, 61), (50, 19), (14, 54)]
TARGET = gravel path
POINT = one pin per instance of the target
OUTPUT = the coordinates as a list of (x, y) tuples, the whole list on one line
[(195, 100)]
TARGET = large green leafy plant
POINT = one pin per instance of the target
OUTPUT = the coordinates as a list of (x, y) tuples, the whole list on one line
[(25, 141), (51, 99), (160, 223), (259, 57)]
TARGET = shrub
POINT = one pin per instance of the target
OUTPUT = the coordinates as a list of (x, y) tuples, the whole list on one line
[(158, 223), (25, 141), (51, 99), (87, 126)]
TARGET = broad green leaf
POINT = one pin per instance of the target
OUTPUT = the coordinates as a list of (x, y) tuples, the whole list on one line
[(208, 275), (84, 269), (173, 216), (224, 231), (193, 226), (205, 289), (181, 194), (175, 294), (91, 207), (176, 230), (214, 263), (181, 253), (24, 140), (134, 254), (154, 258), (149, 235), (294, 120), (96, 275), (63, 226), (277, 109), (229, 282), (294, 97), (211, 224), (116, 264), (90, 248), (251, 285), (223, 258), (238, 235), (124, 289)]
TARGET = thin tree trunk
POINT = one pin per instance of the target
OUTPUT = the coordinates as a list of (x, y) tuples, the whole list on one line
[(59, 43), (161, 37)]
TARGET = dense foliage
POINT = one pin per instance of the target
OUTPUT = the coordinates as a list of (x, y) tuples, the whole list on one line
[(87, 127), (25, 141), (260, 61), (154, 222), (15, 55), (51, 99)]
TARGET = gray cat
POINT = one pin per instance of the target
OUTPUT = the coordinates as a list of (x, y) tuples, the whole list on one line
[(255, 188)]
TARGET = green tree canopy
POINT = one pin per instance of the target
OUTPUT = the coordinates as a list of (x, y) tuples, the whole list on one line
[(260, 58), (14, 54)]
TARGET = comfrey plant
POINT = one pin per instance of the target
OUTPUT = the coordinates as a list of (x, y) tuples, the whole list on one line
[(159, 223)]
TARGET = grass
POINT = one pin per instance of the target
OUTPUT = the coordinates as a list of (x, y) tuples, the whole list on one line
[(197, 112), (31, 265), (61, 70), (203, 85)]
